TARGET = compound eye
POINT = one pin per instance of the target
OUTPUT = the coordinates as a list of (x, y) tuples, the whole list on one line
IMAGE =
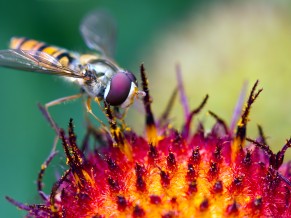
[(132, 77), (118, 89)]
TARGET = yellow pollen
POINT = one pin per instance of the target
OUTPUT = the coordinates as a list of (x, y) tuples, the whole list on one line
[(88, 177)]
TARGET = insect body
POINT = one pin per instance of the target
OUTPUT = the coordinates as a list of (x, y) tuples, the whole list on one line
[(96, 74)]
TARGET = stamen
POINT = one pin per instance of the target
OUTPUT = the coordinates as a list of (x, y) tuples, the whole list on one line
[(41, 174), (114, 129), (78, 154), (181, 89), (165, 115), (55, 188), (18, 204), (238, 107), (264, 147), (280, 155), (262, 135), (186, 128), (73, 153), (240, 137), (75, 157), (275, 160), (219, 121), (150, 121), (117, 135), (33, 209)]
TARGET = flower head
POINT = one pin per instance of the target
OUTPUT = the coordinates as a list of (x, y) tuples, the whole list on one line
[(169, 173)]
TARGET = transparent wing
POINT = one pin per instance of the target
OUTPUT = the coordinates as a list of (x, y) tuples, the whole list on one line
[(98, 29), (34, 61)]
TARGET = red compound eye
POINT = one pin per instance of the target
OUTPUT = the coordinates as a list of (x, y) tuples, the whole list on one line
[(118, 89)]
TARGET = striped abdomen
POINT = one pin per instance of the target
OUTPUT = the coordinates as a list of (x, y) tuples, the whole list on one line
[(62, 55)]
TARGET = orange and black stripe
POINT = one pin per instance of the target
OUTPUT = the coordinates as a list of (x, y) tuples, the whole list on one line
[(62, 55)]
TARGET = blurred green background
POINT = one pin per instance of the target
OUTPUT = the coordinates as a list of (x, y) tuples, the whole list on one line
[(219, 44)]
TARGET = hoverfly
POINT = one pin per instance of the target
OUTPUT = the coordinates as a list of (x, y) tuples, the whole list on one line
[(97, 74)]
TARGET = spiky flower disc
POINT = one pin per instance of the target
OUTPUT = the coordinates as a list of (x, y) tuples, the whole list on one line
[(170, 173)]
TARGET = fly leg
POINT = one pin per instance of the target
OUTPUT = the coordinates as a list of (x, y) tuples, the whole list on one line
[(120, 115), (114, 130), (47, 115), (89, 110)]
